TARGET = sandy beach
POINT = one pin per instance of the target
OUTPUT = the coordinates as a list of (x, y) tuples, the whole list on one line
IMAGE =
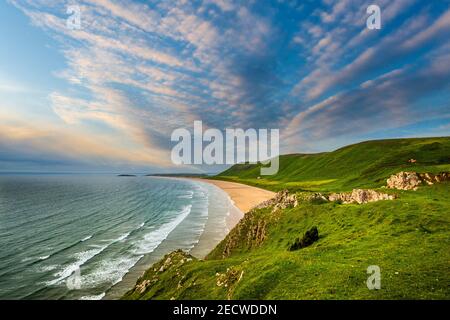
[(244, 197)]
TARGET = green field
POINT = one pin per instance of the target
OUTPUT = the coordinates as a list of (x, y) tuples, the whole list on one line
[(408, 238)]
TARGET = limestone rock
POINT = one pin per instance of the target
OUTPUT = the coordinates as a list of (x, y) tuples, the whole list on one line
[(317, 197), (360, 196), (229, 279), (412, 180), (404, 181), (142, 286), (251, 231), (282, 200), (172, 261), (430, 178)]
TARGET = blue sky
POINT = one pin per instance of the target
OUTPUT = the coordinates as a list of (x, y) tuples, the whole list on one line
[(107, 97)]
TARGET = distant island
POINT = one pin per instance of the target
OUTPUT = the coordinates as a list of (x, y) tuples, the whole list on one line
[(126, 175)]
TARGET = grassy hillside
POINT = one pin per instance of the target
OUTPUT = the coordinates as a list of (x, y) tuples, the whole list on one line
[(365, 164), (408, 238)]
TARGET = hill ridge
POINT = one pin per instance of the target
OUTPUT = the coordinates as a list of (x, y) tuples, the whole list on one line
[(406, 237)]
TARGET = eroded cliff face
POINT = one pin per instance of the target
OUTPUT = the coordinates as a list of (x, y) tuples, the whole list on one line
[(249, 233), (153, 278), (412, 180)]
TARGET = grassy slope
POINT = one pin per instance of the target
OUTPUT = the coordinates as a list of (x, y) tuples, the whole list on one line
[(366, 164), (409, 238)]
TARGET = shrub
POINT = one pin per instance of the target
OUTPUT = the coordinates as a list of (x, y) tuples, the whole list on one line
[(310, 236)]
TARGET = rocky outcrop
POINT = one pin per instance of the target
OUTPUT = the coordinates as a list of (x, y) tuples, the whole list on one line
[(229, 279), (412, 180), (404, 181), (282, 200), (430, 178), (360, 196), (285, 200), (172, 261), (316, 197), (250, 232)]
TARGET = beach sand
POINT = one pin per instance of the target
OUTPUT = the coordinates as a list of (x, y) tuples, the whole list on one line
[(244, 197)]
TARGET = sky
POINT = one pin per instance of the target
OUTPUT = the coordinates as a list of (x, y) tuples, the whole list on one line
[(107, 96)]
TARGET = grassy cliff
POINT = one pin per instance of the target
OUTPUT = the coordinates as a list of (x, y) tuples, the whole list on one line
[(362, 165), (408, 238)]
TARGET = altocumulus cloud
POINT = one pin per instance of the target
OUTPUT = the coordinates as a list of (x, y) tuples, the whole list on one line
[(138, 70)]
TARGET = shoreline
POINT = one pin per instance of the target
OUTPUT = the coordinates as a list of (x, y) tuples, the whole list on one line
[(244, 197), (241, 198)]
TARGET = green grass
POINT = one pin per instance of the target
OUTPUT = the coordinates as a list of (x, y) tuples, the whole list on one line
[(364, 165), (408, 238)]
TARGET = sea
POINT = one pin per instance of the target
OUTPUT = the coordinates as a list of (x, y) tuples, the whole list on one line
[(86, 236)]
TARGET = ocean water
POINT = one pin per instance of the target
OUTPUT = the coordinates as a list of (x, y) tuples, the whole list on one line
[(79, 236)]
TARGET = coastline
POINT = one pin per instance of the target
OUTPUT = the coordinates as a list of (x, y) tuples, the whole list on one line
[(243, 196), (240, 199)]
